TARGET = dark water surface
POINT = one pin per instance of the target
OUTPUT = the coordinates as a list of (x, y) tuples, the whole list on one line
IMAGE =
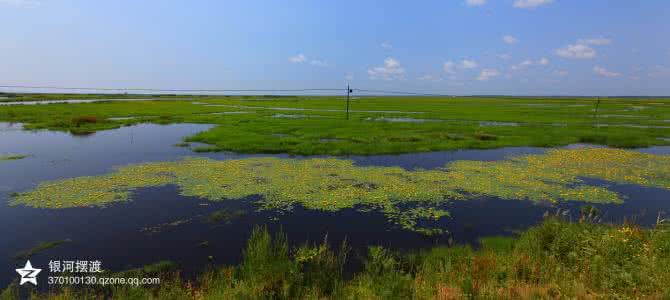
[(159, 224)]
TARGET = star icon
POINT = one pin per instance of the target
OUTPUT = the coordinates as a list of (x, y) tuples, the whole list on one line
[(28, 274)]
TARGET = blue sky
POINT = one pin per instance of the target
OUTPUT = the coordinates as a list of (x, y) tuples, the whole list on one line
[(519, 47)]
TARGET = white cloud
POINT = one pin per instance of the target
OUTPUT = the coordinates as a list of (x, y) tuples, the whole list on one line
[(468, 64), (524, 64), (561, 73), (301, 58), (527, 63), (391, 63), (349, 77), (599, 41), (582, 48), (298, 59), (659, 71), (386, 45), (475, 2), (504, 56), (318, 63), (531, 3), (448, 67), (390, 71), (19, 2), (577, 51), (487, 74), (429, 77), (604, 72), (508, 39)]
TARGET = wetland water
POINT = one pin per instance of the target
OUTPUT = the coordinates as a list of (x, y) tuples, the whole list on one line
[(160, 224)]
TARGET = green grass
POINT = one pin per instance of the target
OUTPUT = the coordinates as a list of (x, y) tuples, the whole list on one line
[(225, 216), (552, 260), (320, 128), (12, 157), (41, 247)]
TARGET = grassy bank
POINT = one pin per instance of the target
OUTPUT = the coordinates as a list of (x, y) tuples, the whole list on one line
[(552, 260), (381, 125)]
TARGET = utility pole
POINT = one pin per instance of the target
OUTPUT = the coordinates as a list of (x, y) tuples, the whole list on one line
[(348, 93), (596, 113)]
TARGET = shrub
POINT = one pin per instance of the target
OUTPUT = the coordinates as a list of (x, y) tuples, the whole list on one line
[(485, 136), (81, 120)]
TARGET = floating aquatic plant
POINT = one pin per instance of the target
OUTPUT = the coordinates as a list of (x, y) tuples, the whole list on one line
[(333, 184), (12, 157)]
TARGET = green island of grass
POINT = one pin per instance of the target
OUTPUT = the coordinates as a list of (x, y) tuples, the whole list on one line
[(331, 184), (377, 125), (553, 260), (41, 247), (12, 157)]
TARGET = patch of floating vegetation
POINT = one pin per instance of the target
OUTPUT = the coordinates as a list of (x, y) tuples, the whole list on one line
[(22, 255), (332, 184), (12, 157), (160, 227), (225, 216)]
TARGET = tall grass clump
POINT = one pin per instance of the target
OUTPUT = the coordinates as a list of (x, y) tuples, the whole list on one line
[(82, 120), (553, 260)]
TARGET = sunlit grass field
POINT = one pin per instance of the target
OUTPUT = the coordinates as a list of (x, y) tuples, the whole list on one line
[(377, 125)]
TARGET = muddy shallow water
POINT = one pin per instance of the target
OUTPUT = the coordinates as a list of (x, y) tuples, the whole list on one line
[(159, 224)]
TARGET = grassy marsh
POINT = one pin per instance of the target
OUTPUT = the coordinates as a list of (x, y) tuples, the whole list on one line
[(478, 122), (553, 260)]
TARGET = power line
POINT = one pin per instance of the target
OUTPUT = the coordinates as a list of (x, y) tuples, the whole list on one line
[(401, 93), (173, 90), (343, 90), (304, 90)]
